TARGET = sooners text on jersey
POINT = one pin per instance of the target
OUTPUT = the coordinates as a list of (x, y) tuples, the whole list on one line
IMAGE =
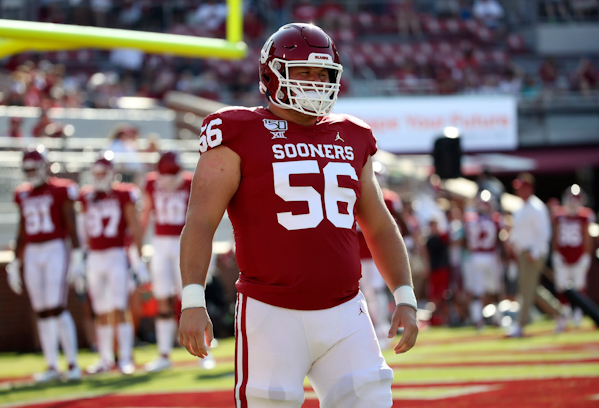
[(294, 212), (170, 206), (42, 208), (569, 230), (482, 231), (105, 224)]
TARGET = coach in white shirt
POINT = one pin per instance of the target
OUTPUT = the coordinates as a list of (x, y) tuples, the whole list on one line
[(529, 237)]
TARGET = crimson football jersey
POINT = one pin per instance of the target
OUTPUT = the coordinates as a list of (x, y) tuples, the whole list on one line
[(393, 203), (293, 214), (41, 208), (482, 231), (170, 206), (104, 218), (569, 230)]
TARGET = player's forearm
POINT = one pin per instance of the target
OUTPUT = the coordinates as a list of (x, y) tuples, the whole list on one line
[(20, 240), (196, 251), (71, 223), (391, 257)]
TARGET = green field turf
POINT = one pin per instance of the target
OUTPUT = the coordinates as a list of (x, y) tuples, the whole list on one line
[(441, 356)]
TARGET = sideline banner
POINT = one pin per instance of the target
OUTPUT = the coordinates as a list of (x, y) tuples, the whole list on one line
[(411, 124)]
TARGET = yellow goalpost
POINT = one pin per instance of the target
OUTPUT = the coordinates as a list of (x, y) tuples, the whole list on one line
[(18, 36)]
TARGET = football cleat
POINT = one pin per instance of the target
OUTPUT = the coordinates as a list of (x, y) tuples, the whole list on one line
[(161, 363), (560, 325), (73, 374), (50, 374), (126, 367), (98, 367)]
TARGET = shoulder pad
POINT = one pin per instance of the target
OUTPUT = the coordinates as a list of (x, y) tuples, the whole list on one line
[(344, 117)]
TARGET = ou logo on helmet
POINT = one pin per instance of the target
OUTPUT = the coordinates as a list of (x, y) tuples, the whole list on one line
[(266, 50)]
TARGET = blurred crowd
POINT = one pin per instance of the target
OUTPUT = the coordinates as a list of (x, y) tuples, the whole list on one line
[(466, 253), (440, 47)]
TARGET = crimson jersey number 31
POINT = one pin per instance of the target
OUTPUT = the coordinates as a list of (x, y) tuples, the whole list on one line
[(333, 194)]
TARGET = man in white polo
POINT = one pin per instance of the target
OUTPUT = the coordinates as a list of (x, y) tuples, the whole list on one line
[(529, 237)]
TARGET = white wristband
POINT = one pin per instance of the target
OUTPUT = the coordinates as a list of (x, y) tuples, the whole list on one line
[(193, 296), (404, 296)]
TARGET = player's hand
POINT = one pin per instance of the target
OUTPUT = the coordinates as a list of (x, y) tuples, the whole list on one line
[(142, 276), (404, 316), (195, 331), (76, 272), (13, 270)]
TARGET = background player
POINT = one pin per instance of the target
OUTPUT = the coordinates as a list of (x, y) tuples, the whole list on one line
[(482, 275), (295, 180), (165, 197), (109, 216), (47, 218), (572, 249)]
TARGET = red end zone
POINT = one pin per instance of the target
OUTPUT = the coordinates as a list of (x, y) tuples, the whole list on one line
[(577, 392)]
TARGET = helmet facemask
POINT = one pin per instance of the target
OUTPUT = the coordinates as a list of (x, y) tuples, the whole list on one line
[(35, 171), (102, 177), (308, 97)]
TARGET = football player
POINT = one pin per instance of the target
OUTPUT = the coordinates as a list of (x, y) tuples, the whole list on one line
[(295, 179), (572, 248), (110, 215), (47, 219), (483, 274), (166, 195)]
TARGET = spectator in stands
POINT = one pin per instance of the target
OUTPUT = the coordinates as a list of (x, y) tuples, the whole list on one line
[(130, 14), (553, 8), (446, 84), (209, 86), (304, 11), (253, 25), (511, 84), (46, 127), (584, 8), (329, 14), (490, 85), (408, 21), (468, 60), (408, 79), (210, 15), (123, 143), (465, 10), (531, 89), (586, 77), (14, 127), (488, 12), (447, 8), (548, 72), (100, 9)]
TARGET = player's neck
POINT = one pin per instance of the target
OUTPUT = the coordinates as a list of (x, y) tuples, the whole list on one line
[(292, 115)]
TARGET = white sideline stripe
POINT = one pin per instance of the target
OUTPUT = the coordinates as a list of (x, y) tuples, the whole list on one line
[(440, 392), (594, 397)]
